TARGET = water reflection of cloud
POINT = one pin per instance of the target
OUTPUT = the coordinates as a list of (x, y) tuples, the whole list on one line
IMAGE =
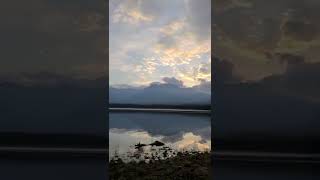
[(171, 126), (122, 141), (191, 141)]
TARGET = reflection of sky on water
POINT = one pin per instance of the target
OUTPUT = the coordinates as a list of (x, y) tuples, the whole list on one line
[(178, 131)]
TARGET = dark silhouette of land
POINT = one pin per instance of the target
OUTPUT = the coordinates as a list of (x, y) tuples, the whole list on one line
[(185, 165)]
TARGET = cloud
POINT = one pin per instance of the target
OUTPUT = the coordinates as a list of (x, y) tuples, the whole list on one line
[(173, 27), (186, 49), (173, 81), (194, 74), (205, 68), (137, 12), (199, 18), (203, 72), (204, 86), (128, 12), (166, 41)]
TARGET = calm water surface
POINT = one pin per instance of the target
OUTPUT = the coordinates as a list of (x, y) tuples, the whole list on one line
[(178, 131)]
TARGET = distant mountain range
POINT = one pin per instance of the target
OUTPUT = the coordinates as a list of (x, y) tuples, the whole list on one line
[(159, 94)]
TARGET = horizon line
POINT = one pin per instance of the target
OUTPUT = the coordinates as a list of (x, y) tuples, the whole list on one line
[(160, 110)]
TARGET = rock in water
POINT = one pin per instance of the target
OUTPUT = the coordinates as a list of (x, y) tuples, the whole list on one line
[(157, 143)]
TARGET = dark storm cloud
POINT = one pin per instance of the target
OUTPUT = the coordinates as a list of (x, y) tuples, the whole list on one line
[(55, 36)]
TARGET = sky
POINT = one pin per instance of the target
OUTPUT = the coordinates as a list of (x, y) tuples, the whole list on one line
[(61, 37), (150, 40), (260, 37)]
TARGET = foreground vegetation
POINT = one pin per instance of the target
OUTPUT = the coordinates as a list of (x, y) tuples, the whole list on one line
[(184, 166)]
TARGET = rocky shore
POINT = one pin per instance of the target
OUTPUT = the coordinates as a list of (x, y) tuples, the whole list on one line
[(184, 166)]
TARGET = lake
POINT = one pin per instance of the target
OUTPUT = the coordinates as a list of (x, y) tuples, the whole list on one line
[(179, 131)]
